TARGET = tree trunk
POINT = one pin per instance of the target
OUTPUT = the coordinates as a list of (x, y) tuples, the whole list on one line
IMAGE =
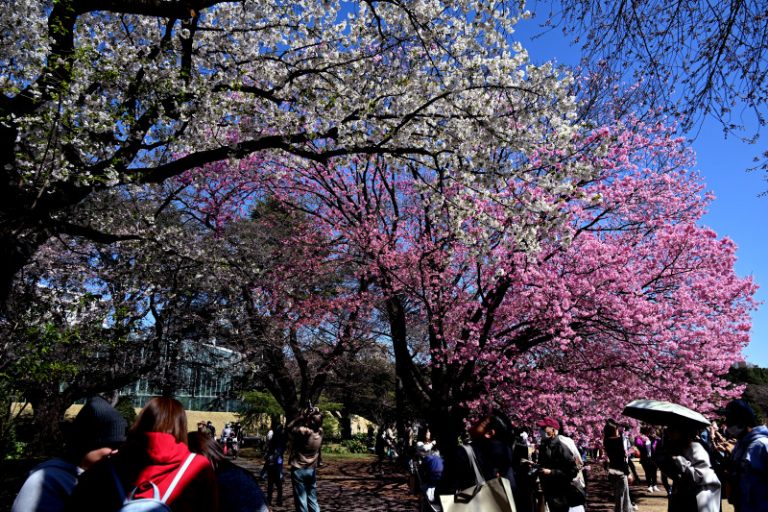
[(400, 408), (48, 408), (17, 246), (406, 385), (346, 424)]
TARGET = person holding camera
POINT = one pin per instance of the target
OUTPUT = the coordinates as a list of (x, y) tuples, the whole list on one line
[(306, 440)]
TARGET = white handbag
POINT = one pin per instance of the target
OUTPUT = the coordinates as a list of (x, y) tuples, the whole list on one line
[(493, 495)]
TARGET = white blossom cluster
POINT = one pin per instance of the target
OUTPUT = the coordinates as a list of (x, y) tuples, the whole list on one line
[(149, 89)]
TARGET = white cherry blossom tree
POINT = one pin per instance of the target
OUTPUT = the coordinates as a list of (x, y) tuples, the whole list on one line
[(98, 94)]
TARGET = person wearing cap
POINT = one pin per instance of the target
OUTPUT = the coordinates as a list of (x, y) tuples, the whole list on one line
[(430, 470), (748, 468), (557, 466), (97, 431)]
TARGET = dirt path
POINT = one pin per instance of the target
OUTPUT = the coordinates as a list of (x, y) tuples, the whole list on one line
[(345, 485), (351, 485)]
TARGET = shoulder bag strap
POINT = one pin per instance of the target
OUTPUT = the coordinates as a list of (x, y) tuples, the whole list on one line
[(118, 484), (178, 476), (479, 480)]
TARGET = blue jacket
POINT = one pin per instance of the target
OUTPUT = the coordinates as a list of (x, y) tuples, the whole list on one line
[(47, 487), (749, 470), (431, 470)]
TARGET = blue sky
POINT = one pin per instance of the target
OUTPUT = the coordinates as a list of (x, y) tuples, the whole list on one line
[(737, 211)]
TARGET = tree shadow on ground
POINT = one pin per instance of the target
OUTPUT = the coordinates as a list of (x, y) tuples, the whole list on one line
[(353, 484)]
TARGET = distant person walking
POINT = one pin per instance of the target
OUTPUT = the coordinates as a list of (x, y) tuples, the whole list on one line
[(646, 444), (380, 449), (618, 469), (274, 453)]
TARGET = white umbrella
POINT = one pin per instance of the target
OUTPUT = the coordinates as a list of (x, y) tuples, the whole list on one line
[(657, 412)]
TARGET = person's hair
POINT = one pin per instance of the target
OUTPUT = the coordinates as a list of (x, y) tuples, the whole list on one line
[(686, 433), (316, 420), (502, 425), (204, 444), (610, 429), (479, 427), (162, 414)]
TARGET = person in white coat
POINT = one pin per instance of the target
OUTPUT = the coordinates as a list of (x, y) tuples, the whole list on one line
[(579, 482), (685, 460)]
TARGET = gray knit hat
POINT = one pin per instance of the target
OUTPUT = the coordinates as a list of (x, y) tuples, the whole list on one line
[(98, 425)]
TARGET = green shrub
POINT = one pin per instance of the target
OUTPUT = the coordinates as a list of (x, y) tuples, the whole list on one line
[(335, 448), (16, 450), (355, 445), (125, 407), (330, 426)]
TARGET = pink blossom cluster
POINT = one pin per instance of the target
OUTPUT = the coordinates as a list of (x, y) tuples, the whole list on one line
[(624, 296)]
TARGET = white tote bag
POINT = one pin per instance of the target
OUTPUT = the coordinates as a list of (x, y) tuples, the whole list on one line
[(493, 495)]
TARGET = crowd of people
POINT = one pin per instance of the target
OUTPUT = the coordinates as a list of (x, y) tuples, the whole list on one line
[(547, 475), (159, 465), (696, 468)]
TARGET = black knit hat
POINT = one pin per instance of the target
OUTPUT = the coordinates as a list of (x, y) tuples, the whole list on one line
[(739, 412), (97, 425)]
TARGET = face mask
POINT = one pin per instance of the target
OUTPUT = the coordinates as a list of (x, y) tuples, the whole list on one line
[(735, 430)]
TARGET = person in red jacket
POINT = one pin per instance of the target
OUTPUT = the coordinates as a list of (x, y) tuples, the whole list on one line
[(153, 454)]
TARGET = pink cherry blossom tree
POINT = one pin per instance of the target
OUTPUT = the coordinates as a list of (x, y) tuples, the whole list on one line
[(303, 311), (518, 293)]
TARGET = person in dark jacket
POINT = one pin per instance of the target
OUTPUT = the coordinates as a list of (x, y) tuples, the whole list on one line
[(748, 470), (524, 480), (646, 444), (274, 453), (238, 489), (557, 466), (96, 433), (494, 456), (618, 469), (153, 456), (429, 469)]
